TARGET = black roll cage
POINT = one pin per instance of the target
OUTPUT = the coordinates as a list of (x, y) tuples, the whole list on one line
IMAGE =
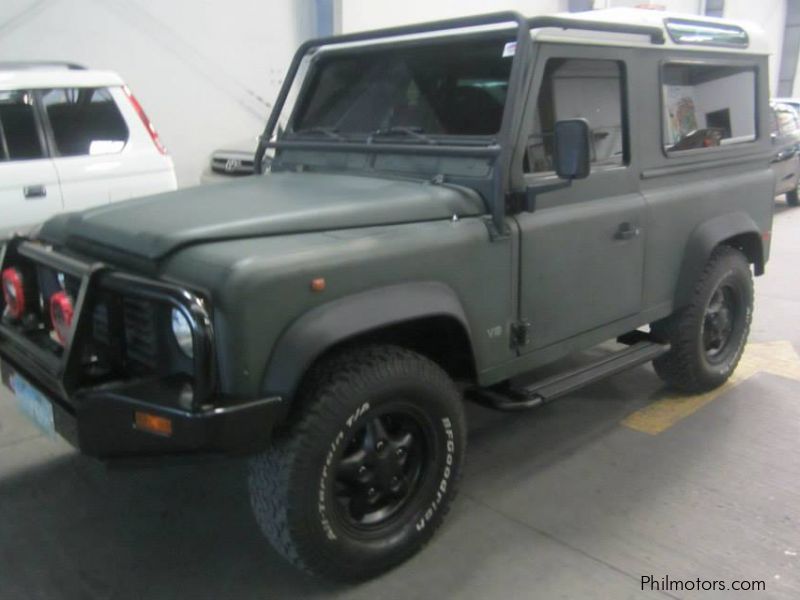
[(500, 151)]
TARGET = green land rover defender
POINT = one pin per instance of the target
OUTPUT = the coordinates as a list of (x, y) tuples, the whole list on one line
[(448, 206)]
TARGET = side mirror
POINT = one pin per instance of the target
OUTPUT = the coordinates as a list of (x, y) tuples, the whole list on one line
[(572, 149)]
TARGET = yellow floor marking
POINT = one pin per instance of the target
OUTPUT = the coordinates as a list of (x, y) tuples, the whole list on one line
[(778, 358)]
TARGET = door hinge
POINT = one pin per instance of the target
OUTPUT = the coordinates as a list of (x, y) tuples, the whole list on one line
[(520, 333)]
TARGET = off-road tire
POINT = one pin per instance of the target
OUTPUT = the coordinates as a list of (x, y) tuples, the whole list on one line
[(291, 483), (687, 366), (792, 198)]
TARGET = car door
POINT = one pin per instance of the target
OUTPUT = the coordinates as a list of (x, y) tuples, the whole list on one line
[(582, 246), (88, 135), (29, 190), (785, 161)]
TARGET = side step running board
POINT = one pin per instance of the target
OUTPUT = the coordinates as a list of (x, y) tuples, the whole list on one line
[(563, 383)]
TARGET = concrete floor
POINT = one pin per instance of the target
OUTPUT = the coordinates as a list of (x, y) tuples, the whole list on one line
[(563, 502)]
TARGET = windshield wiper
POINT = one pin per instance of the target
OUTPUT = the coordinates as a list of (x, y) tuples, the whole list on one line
[(331, 132), (415, 132)]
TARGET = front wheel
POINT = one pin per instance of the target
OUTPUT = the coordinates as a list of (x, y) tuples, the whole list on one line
[(792, 198), (707, 337), (365, 476)]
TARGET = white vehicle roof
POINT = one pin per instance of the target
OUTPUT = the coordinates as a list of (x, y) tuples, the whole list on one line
[(757, 40), (39, 77)]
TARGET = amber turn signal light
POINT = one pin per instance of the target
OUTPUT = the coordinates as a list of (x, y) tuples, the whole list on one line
[(153, 424)]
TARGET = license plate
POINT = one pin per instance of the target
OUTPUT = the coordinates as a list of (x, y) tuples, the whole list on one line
[(33, 403)]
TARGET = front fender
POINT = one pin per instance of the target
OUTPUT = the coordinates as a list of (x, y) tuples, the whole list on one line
[(329, 324)]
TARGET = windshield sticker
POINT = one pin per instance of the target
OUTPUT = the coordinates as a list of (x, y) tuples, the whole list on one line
[(509, 49)]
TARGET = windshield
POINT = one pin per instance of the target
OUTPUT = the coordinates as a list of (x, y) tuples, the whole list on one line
[(455, 88)]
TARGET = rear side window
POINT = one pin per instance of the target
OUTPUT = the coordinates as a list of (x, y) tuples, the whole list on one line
[(584, 89), (19, 134), (85, 121), (706, 106)]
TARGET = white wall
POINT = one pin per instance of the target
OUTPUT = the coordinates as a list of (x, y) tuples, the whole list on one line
[(197, 66), (770, 15), (359, 15)]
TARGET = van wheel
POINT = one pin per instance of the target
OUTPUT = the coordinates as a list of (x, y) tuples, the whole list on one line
[(792, 198), (708, 335), (365, 476)]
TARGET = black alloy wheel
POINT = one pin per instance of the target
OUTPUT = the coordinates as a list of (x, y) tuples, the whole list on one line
[(718, 324), (381, 467)]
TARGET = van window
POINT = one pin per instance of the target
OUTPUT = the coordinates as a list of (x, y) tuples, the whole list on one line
[(586, 89), (707, 106), (19, 134), (85, 121)]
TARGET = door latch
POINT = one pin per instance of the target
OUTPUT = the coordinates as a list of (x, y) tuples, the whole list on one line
[(34, 191), (626, 231), (520, 333)]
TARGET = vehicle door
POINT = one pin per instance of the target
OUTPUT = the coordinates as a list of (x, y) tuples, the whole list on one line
[(88, 135), (581, 246), (29, 190)]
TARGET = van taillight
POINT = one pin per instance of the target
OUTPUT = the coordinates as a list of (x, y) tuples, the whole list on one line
[(14, 292), (145, 120)]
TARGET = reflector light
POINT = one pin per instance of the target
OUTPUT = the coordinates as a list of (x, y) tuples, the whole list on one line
[(13, 293), (61, 314), (153, 424), (145, 120)]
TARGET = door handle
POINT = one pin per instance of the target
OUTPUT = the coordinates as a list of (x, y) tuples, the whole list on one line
[(34, 191), (626, 231)]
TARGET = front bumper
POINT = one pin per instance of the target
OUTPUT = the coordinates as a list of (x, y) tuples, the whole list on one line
[(101, 422), (98, 415)]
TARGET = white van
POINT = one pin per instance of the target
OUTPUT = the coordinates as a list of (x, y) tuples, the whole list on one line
[(71, 138)]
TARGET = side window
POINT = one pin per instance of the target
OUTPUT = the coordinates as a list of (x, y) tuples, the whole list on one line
[(19, 134), (707, 106), (787, 120), (85, 121), (577, 88)]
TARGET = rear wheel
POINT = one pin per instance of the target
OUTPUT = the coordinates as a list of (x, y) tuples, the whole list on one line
[(792, 198), (365, 476), (708, 335)]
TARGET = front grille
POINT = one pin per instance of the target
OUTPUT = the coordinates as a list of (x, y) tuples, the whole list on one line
[(141, 339), (117, 335), (233, 164), (101, 326)]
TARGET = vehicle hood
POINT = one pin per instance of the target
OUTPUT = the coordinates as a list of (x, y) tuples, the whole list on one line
[(274, 204)]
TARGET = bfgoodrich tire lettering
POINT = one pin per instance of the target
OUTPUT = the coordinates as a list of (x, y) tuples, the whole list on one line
[(708, 335), (367, 473)]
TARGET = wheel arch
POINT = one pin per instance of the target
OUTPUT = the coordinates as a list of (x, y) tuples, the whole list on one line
[(737, 230), (385, 314)]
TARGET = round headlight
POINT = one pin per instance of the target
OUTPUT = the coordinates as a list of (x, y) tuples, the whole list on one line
[(182, 330)]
